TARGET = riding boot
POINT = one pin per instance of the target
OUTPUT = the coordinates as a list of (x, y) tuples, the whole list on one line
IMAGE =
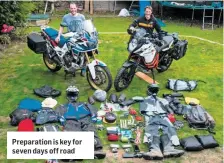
[(168, 148), (83, 72), (154, 150)]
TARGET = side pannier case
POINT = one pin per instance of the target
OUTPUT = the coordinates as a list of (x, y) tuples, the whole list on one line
[(36, 43), (180, 49)]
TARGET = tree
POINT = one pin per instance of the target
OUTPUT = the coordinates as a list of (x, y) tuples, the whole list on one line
[(15, 13)]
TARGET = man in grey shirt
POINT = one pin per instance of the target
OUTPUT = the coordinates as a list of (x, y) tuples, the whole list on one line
[(74, 23)]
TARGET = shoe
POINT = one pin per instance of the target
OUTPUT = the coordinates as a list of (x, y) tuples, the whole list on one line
[(168, 148), (154, 150)]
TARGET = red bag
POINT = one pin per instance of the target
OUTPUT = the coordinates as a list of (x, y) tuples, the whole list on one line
[(138, 118), (132, 112), (171, 118), (26, 125), (113, 137)]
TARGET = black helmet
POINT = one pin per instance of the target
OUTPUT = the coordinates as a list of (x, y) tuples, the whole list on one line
[(72, 93), (152, 89)]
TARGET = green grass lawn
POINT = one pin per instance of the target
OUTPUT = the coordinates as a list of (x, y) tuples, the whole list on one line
[(21, 71)]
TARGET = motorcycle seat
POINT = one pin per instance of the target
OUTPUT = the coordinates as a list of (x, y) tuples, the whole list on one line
[(53, 33)]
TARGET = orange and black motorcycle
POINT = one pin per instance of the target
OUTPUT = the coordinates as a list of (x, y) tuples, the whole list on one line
[(147, 53)]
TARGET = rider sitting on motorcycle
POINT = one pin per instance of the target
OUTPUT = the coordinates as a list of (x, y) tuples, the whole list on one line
[(148, 22), (74, 23)]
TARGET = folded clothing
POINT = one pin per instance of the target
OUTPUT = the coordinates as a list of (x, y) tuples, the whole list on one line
[(46, 116), (20, 114), (47, 91), (30, 104)]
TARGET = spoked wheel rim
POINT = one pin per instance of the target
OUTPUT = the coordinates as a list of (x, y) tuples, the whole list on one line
[(166, 61), (125, 78), (49, 62), (102, 80)]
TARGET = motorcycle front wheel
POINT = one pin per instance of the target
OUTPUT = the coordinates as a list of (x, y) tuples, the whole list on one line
[(50, 64), (124, 78), (103, 78)]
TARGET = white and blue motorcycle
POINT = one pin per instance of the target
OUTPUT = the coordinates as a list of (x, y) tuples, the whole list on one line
[(75, 51)]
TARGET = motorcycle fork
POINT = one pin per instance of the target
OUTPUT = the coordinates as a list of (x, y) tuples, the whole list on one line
[(88, 58)]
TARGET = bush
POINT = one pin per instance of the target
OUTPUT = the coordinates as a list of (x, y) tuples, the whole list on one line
[(19, 34), (5, 39), (39, 7), (15, 13)]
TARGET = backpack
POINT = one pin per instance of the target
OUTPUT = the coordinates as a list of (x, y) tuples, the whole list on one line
[(199, 118), (20, 114)]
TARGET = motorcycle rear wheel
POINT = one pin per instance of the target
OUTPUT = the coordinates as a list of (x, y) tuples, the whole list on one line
[(165, 63), (50, 64), (124, 78), (103, 78)]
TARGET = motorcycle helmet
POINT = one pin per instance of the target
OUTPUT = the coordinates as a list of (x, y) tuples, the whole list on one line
[(72, 93), (152, 89)]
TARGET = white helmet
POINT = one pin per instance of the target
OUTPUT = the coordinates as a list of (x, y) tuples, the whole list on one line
[(72, 93)]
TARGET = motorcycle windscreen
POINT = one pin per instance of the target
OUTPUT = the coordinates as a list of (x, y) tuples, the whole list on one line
[(132, 45), (140, 33), (89, 27)]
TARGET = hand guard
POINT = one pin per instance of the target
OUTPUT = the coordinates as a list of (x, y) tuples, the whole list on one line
[(131, 30)]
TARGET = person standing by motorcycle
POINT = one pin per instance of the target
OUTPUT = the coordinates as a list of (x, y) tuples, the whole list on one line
[(74, 23), (148, 22)]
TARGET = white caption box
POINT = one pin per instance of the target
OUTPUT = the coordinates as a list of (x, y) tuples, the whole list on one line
[(50, 145)]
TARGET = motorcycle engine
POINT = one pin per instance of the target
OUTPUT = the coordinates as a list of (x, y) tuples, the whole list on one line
[(73, 61)]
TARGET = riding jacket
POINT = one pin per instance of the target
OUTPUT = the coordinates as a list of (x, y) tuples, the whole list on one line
[(148, 25)]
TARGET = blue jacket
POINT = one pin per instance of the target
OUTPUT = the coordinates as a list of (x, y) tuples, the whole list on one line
[(76, 111)]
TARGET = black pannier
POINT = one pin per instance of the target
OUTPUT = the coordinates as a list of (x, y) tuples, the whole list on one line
[(36, 43), (180, 49)]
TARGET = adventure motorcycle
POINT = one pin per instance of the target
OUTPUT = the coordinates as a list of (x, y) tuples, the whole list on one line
[(73, 52), (147, 53)]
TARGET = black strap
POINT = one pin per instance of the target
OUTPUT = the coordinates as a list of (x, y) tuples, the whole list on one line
[(201, 81), (210, 129), (188, 84), (175, 85)]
